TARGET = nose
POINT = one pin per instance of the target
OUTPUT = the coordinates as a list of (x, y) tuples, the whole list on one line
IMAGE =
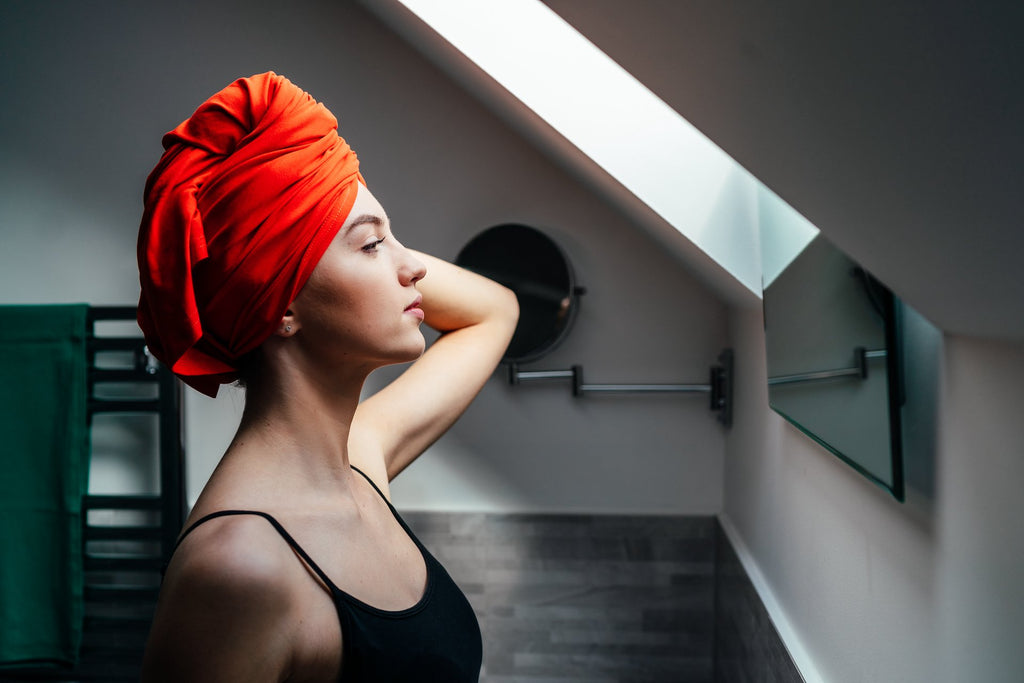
[(412, 270)]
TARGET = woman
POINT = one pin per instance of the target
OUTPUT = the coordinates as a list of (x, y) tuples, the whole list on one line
[(264, 257)]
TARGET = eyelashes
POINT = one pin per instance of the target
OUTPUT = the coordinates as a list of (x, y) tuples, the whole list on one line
[(372, 246)]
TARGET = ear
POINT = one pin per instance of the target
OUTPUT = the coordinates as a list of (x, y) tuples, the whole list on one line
[(289, 324)]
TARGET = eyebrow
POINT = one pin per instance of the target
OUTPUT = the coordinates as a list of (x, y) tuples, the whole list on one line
[(363, 219)]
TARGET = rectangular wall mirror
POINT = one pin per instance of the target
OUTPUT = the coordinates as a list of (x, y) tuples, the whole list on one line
[(833, 343)]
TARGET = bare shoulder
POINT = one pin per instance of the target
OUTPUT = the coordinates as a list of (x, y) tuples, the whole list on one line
[(225, 606), (236, 549)]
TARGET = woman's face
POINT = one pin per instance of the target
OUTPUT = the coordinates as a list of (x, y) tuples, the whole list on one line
[(360, 305)]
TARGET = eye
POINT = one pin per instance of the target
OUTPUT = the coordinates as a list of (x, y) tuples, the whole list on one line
[(372, 246)]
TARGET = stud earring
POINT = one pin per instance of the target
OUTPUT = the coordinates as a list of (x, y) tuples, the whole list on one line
[(287, 328)]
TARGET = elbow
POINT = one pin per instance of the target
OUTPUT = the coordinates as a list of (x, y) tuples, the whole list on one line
[(512, 304), (509, 308)]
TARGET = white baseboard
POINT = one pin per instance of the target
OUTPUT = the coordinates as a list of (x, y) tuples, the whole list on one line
[(790, 640)]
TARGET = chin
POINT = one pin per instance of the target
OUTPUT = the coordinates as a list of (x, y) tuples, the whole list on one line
[(415, 353), (406, 355)]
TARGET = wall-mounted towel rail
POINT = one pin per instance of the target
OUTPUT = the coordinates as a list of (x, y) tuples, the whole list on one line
[(129, 536), (719, 386), (859, 370)]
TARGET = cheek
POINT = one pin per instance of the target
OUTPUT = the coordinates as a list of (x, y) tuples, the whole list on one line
[(322, 296), (341, 302)]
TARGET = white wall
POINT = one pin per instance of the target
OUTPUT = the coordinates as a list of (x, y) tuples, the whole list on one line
[(868, 589), (94, 89), (980, 545)]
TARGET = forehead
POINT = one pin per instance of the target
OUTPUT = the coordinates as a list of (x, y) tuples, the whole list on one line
[(365, 209)]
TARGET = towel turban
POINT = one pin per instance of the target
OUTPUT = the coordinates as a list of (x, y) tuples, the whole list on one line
[(249, 192)]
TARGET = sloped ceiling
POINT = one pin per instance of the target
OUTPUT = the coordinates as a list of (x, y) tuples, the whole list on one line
[(896, 128)]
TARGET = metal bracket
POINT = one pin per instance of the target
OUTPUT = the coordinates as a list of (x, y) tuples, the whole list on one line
[(719, 387)]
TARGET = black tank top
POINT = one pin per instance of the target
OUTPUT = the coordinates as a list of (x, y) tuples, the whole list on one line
[(437, 639)]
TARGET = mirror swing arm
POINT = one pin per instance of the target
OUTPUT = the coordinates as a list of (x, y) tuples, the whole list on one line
[(719, 386), (533, 266)]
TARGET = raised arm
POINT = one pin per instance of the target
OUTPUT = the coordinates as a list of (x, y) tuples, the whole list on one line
[(476, 317)]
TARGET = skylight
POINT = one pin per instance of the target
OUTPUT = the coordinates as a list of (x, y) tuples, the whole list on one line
[(615, 120)]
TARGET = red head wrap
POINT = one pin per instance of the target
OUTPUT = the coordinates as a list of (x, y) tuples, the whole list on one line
[(245, 200)]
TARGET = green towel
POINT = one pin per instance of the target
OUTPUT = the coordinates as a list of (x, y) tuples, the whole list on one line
[(44, 461)]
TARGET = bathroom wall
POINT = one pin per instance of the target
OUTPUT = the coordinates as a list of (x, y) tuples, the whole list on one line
[(979, 545), (90, 90), (861, 587)]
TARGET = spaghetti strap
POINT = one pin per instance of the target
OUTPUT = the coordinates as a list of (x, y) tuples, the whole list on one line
[(367, 478), (394, 512), (288, 537), (280, 530)]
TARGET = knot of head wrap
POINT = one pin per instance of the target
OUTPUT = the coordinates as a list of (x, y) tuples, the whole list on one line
[(249, 192)]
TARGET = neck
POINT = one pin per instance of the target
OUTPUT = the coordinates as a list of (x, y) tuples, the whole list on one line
[(296, 425)]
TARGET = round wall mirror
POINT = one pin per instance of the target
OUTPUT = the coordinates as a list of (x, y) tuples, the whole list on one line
[(530, 264)]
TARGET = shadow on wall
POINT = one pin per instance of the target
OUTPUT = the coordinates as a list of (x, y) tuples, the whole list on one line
[(920, 411)]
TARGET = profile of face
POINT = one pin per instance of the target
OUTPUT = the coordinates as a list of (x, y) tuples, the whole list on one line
[(360, 306)]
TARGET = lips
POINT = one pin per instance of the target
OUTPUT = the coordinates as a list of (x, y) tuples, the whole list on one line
[(414, 308)]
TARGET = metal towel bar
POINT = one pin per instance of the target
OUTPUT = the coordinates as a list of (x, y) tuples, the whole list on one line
[(859, 370), (719, 386)]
